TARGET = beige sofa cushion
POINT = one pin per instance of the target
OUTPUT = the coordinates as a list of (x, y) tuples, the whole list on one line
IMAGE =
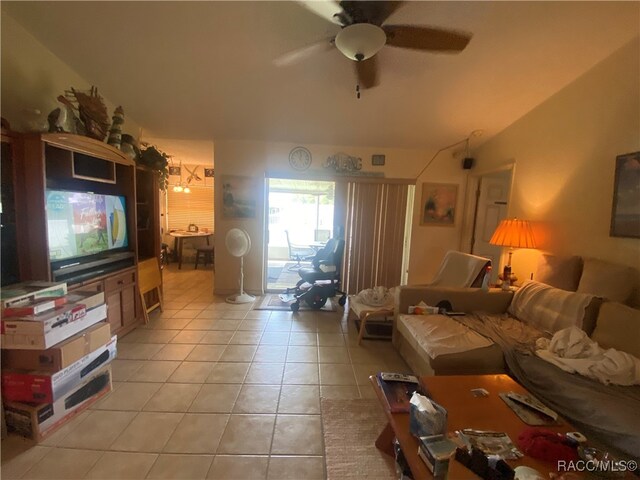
[(559, 272), (461, 299), (439, 334), (608, 280), (618, 327), (481, 361), (476, 361), (551, 309)]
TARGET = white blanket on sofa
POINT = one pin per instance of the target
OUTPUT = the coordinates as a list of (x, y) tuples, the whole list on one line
[(573, 351), (458, 269)]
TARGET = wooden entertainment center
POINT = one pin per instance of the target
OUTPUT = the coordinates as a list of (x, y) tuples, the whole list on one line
[(61, 161)]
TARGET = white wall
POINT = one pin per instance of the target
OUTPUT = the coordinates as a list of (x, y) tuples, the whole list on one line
[(565, 152), (33, 77), (253, 159)]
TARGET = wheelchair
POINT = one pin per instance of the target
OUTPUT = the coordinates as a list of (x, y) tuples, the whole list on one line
[(321, 281)]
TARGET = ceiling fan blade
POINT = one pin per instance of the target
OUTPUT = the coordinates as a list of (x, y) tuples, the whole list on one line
[(365, 11), (301, 54), (367, 71), (426, 38), (330, 10)]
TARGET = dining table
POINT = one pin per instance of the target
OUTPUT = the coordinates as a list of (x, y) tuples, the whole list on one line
[(180, 235)]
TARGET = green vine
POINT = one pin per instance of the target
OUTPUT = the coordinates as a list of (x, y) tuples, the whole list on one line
[(152, 157)]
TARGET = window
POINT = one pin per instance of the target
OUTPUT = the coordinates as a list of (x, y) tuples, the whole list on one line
[(195, 207)]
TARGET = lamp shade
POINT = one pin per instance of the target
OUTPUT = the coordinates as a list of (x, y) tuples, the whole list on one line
[(514, 233), (360, 41)]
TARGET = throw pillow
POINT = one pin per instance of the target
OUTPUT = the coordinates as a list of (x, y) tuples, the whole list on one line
[(607, 280), (559, 272), (618, 327), (551, 309)]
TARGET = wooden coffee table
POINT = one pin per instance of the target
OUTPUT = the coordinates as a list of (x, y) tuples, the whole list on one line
[(464, 411)]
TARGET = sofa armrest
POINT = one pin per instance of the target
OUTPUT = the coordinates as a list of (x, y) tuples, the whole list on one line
[(461, 299)]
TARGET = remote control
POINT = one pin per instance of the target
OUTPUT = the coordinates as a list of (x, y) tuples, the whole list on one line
[(398, 377), (533, 404)]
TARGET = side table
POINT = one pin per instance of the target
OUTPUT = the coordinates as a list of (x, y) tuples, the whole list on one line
[(365, 312)]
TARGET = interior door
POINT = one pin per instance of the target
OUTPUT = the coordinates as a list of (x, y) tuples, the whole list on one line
[(491, 208)]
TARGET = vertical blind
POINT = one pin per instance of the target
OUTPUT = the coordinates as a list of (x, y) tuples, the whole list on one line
[(374, 235), (185, 208)]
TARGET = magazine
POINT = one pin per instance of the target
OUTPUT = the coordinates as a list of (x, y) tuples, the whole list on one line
[(491, 443), (397, 393)]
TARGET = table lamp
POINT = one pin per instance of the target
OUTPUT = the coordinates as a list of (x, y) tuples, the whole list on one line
[(512, 233)]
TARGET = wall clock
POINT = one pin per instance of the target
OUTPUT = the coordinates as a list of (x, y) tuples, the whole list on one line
[(300, 158)]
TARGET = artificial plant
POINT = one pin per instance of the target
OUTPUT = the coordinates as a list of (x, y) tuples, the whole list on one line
[(152, 157)]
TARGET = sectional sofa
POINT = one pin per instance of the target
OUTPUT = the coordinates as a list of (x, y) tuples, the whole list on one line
[(502, 325)]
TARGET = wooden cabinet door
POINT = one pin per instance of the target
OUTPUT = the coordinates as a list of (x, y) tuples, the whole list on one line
[(114, 310), (128, 302)]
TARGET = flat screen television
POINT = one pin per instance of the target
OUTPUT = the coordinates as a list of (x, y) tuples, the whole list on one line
[(80, 224)]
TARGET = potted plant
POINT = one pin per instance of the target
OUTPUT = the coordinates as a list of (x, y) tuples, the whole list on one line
[(152, 157)]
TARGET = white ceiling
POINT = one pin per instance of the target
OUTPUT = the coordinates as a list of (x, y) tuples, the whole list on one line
[(204, 70)]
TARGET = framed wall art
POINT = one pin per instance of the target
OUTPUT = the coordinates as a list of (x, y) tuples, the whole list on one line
[(377, 160), (438, 204), (239, 197), (625, 212)]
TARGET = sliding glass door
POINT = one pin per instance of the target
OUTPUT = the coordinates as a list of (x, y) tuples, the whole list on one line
[(300, 221)]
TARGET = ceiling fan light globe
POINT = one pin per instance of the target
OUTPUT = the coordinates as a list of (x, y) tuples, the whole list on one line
[(360, 41), (186, 190)]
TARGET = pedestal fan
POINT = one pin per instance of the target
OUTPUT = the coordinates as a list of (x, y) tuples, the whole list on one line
[(238, 244)]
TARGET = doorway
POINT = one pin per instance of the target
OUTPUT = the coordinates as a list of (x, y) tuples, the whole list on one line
[(300, 222), (492, 194)]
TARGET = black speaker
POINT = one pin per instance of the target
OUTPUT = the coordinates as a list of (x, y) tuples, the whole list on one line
[(467, 163)]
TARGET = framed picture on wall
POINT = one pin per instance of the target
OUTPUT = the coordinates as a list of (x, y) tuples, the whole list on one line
[(438, 204), (625, 212), (239, 197)]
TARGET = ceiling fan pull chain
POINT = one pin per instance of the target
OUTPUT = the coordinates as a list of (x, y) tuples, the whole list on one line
[(358, 90)]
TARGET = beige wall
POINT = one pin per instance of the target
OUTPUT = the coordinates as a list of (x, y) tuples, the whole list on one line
[(430, 243), (254, 159), (33, 77), (564, 152)]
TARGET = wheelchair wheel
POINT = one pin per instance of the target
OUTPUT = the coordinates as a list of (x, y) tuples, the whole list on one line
[(317, 302), (295, 306), (342, 300)]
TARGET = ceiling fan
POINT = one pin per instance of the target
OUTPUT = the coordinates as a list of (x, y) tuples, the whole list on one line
[(363, 34)]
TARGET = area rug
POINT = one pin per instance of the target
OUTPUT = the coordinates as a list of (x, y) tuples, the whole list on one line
[(273, 302), (350, 429), (376, 330)]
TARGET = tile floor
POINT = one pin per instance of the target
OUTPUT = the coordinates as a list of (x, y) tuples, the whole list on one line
[(211, 390)]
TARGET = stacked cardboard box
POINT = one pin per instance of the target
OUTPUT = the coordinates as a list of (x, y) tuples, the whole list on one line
[(56, 351)]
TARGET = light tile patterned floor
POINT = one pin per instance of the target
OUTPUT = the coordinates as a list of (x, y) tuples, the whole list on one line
[(211, 390)]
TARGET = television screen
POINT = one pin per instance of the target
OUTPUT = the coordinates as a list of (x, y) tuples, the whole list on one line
[(84, 223)]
